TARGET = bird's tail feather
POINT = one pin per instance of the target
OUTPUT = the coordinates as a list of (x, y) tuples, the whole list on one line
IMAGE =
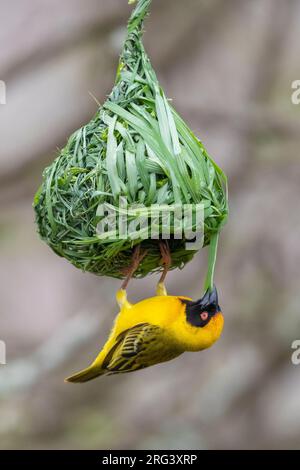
[(85, 375)]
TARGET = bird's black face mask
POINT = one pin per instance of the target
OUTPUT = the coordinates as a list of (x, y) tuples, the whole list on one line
[(200, 312)]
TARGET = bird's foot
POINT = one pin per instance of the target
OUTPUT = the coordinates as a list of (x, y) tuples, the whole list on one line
[(161, 289), (121, 298), (166, 261)]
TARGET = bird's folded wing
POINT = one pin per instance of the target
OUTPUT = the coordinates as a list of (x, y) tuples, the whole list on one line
[(132, 349)]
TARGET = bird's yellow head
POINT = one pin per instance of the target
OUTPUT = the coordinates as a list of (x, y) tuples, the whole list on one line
[(204, 320)]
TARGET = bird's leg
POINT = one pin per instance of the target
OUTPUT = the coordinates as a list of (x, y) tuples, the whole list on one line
[(166, 261), (137, 258)]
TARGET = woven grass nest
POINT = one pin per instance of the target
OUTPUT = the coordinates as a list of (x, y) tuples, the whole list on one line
[(137, 147)]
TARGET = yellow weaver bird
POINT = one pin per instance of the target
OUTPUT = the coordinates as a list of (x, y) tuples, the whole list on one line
[(155, 330)]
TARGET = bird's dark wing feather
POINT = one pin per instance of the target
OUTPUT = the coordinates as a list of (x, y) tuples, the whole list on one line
[(131, 349)]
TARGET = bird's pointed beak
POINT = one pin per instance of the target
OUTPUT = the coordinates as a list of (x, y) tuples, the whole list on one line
[(205, 300), (210, 298), (213, 296)]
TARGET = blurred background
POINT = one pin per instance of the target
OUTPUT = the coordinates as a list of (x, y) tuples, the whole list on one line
[(229, 66)]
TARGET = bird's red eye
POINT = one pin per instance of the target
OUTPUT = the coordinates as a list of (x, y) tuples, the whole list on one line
[(204, 316)]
